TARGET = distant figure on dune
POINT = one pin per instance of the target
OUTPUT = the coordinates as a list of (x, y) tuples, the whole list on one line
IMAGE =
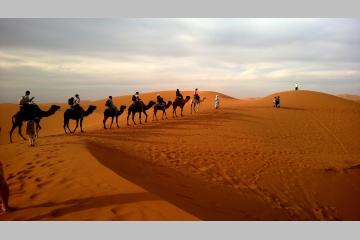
[(296, 86), (217, 102), (31, 132), (276, 101)]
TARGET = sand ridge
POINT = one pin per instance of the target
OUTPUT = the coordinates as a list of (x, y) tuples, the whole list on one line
[(247, 161)]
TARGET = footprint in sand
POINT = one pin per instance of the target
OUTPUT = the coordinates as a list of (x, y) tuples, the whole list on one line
[(32, 196), (11, 176), (37, 179), (41, 185)]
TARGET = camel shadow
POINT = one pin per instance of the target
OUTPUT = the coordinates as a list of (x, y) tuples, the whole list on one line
[(80, 204)]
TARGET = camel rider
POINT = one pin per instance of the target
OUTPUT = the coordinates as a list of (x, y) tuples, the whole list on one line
[(179, 96), (160, 100), (27, 105), (76, 103), (110, 104), (25, 101), (196, 94), (136, 98)]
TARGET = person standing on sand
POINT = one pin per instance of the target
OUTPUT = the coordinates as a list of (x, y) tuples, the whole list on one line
[(296, 86), (31, 132), (4, 191), (217, 102)]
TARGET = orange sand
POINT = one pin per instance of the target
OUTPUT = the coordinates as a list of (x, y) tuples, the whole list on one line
[(246, 161)]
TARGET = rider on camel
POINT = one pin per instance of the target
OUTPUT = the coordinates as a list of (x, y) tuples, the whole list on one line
[(179, 96), (136, 99), (110, 104), (76, 103), (196, 94), (160, 100), (27, 105)]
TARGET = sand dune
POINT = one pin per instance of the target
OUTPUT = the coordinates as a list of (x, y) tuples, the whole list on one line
[(247, 161), (355, 98)]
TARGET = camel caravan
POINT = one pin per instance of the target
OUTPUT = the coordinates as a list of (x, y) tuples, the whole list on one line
[(32, 114)]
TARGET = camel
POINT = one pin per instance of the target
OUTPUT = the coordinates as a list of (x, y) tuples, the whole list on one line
[(140, 108), (195, 104), (76, 115), (21, 116), (162, 108), (179, 104), (112, 113)]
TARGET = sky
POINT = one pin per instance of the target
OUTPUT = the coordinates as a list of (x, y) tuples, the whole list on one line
[(56, 58)]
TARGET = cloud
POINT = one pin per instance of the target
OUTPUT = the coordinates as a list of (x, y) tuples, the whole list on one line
[(244, 57)]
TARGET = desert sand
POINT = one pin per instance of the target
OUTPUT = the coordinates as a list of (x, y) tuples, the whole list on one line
[(245, 161)]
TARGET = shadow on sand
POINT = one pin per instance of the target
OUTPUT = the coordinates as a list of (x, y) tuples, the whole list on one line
[(80, 204), (192, 194)]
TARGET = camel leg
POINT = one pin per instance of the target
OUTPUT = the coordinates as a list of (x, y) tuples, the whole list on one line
[(112, 120), (140, 117), (104, 122), (174, 112), (68, 126), (182, 111), (81, 122), (127, 120), (11, 131), (154, 114), (20, 132), (117, 123), (145, 116), (165, 114), (133, 115), (77, 124), (191, 108), (65, 126)]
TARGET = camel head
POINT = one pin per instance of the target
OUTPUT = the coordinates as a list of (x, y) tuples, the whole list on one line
[(54, 108), (122, 109), (90, 110), (151, 103), (168, 104), (187, 98)]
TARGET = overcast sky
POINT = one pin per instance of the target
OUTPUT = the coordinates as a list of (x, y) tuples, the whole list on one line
[(56, 58)]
